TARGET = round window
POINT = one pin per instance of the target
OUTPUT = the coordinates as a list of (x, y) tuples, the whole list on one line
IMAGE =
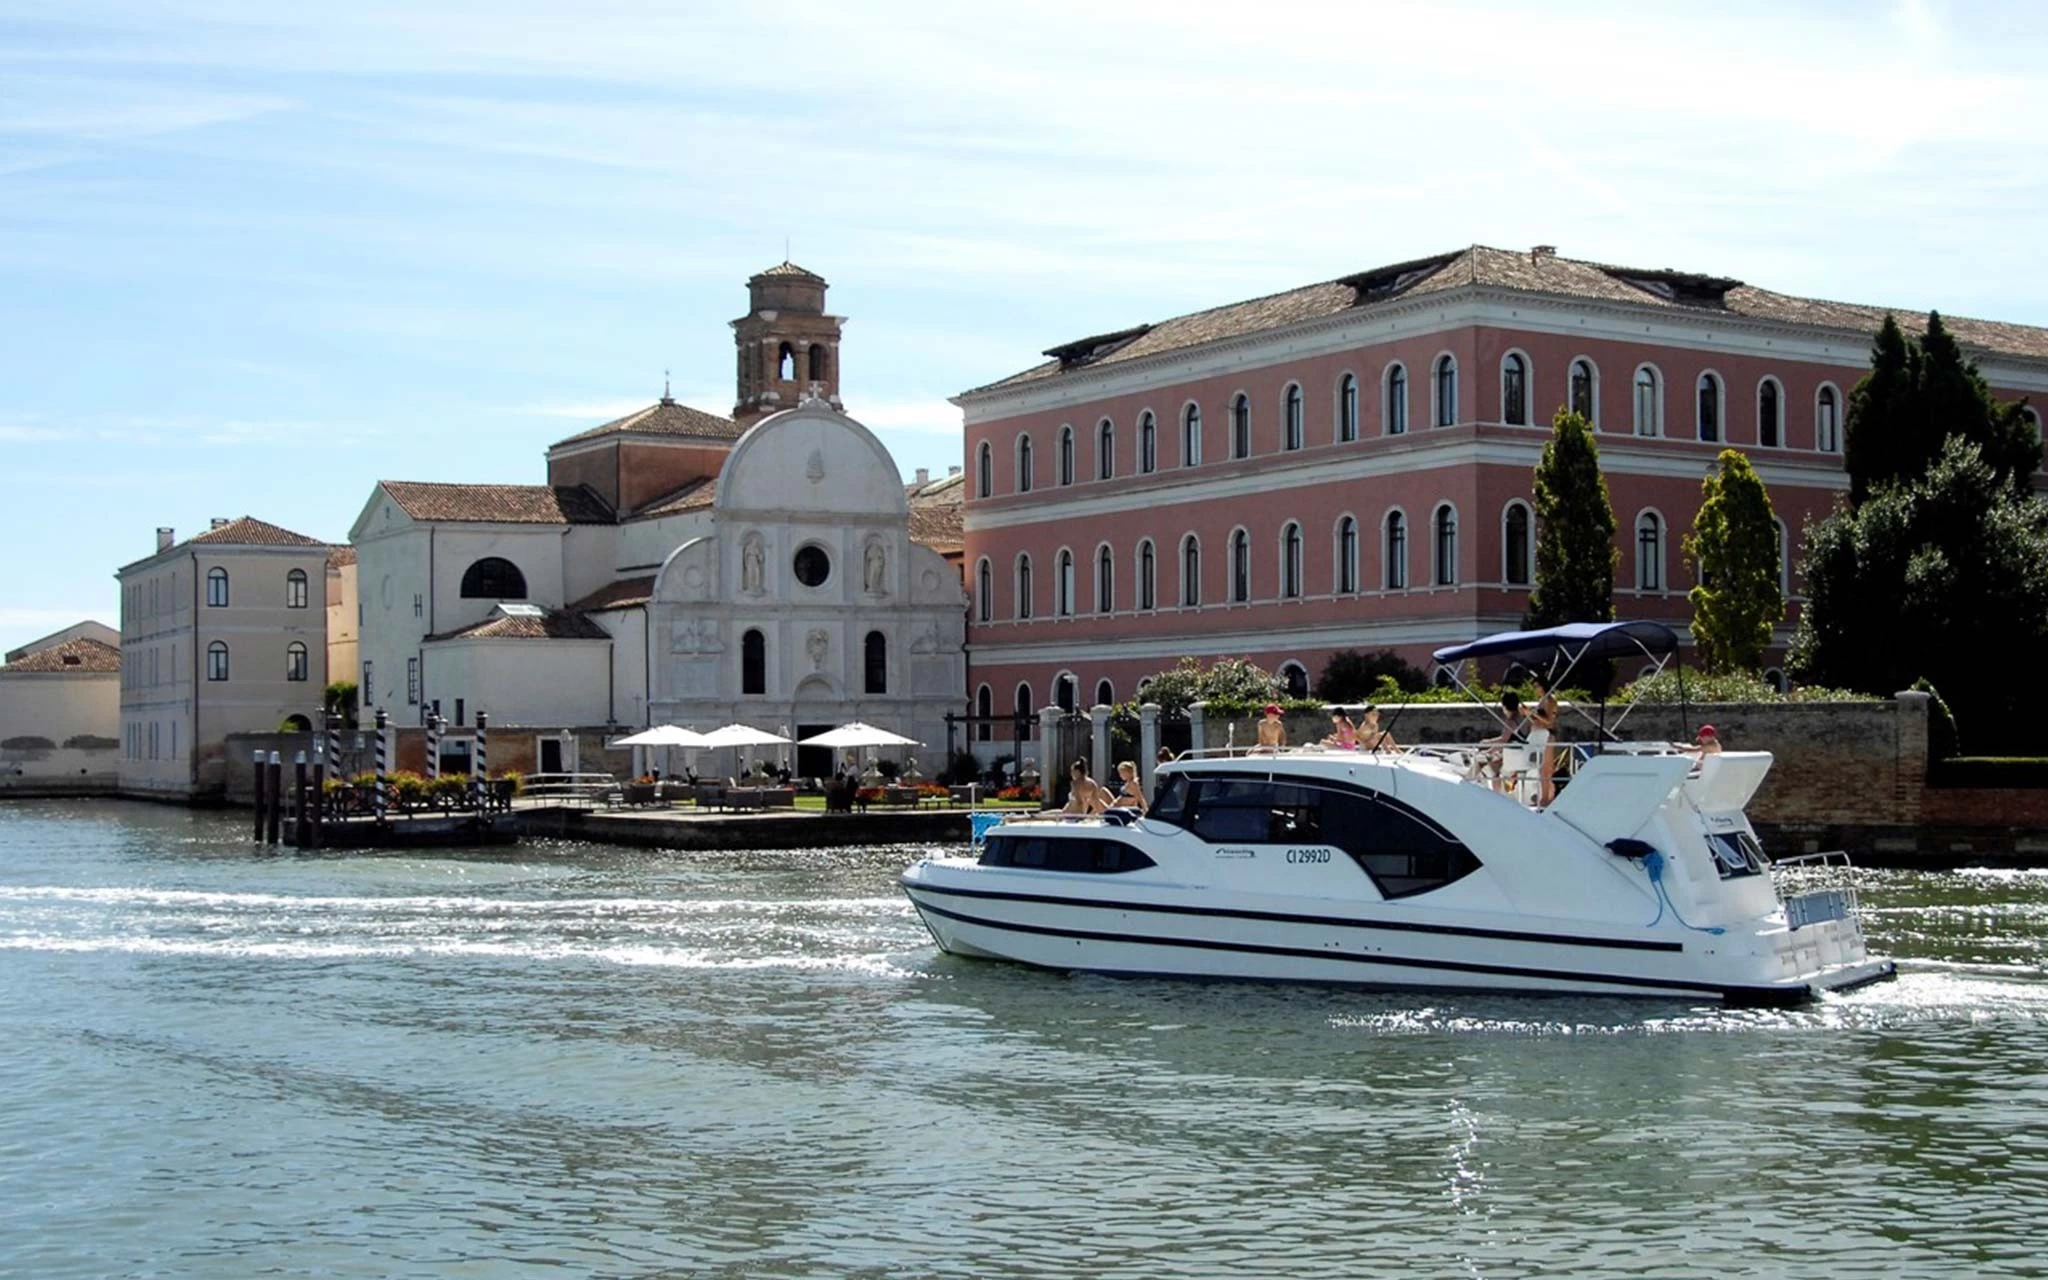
[(812, 566)]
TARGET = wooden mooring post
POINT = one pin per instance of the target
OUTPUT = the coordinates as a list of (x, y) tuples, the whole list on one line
[(262, 776), (300, 822), (272, 828)]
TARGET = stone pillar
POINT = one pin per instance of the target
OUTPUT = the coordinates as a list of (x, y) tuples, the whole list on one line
[(1148, 743), (1909, 780), (1098, 743), (1048, 737), (1198, 727)]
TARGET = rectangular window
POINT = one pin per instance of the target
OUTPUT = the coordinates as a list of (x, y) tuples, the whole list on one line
[(369, 698), (412, 682), (458, 712), (419, 605)]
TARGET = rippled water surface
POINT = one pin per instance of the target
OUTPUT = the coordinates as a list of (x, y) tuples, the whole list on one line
[(583, 1060)]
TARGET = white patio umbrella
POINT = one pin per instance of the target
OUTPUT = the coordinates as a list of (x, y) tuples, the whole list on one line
[(664, 736), (742, 735), (848, 736)]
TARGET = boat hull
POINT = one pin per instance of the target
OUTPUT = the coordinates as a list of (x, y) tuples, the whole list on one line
[(1162, 939)]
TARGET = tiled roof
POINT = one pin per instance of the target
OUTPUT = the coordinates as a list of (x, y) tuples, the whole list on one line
[(788, 268), (341, 557), (626, 593), (1545, 274), (694, 496), (935, 511), (552, 624), (73, 657), (500, 503), (665, 417), (251, 532)]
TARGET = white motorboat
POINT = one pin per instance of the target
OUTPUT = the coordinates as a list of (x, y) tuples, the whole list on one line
[(1412, 869)]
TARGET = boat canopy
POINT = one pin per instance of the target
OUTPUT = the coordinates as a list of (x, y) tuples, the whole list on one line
[(1574, 642)]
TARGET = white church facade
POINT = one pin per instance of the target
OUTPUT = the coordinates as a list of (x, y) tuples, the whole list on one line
[(771, 568)]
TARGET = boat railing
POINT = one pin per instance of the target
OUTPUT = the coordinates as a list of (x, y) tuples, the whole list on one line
[(570, 790), (1817, 886)]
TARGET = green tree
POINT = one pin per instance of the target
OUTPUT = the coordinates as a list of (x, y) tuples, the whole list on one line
[(1353, 676), (339, 699), (1734, 546), (1233, 681), (1934, 579), (1575, 551), (1916, 396)]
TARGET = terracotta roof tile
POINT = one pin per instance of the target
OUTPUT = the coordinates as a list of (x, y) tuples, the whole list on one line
[(341, 557), (664, 417), (552, 624), (500, 503), (626, 593), (788, 268), (73, 657), (1546, 274), (935, 513), (251, 532), (694, 496)]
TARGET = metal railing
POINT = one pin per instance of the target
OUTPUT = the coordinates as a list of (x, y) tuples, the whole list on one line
[(570, 790)]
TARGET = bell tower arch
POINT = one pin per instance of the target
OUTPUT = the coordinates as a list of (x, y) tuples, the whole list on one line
[(788, 347)]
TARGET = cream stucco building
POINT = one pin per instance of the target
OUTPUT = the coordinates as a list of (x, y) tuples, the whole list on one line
[(223, 633), (60, 711), (771, 568)]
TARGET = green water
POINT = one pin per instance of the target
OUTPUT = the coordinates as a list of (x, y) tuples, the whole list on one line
[(577, 1060)]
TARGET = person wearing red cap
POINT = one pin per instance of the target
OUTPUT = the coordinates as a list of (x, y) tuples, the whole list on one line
[(1708, 743), (1272, 733)]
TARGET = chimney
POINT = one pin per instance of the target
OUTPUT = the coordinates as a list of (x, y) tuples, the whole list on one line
[(924, 474), (953, 471), (220, 522), (1542, 251), (165, 536)]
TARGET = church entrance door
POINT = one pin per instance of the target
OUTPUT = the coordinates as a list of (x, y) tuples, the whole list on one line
[(814, 762)]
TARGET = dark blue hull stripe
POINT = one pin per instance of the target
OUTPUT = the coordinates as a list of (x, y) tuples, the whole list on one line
[(1282, 917), (1743, 994)]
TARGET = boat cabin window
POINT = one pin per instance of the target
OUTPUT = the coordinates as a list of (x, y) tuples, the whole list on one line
[(1736, 854), (1062, 854), (1398, 847)]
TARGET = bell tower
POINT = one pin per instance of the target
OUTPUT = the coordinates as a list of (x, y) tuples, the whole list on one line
[(788, 348)]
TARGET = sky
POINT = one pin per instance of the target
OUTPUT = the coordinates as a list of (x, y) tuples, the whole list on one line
[(255, 257)]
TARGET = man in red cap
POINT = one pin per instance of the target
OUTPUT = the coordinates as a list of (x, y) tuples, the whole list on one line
[(1708, 743), (1272, 733)]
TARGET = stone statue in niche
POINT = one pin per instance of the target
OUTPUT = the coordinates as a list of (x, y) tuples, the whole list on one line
[(875, 570), (817, 644), (696, 637), (752, 559)]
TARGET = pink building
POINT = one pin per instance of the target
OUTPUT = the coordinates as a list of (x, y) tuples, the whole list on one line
[(1347, 465)]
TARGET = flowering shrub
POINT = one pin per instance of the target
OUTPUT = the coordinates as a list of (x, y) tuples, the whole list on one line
[(1020, 793)]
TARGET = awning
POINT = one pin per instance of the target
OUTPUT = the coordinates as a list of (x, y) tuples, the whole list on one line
[(1574, 642)]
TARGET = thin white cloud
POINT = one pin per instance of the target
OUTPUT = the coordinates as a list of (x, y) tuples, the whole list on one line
[(28, 435)]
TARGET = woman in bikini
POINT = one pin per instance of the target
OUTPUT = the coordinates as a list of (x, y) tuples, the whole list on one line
[(1130, 795), (1372, 737), (1542, 724), (1343, 733)]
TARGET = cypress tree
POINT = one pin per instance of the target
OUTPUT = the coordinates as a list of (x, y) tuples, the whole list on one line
[(1575, 551), (1734, 544), (1882, 412), (1915, 397)]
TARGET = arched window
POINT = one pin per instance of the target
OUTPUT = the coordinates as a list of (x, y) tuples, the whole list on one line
[(1769, 420), (1347, 408), (1446, 391), (1445, 525), (1291, 416), (1021, 705), (1397, 400), (875, 663), (1241, 426), (1649, 404), (1148, 444), (1190, 572), (493, 578), (1063, 585), (1827, 422), (1240, 567), (295, 661), (1293, 678), (1066, 694), (785, 363), (1105, 450), (753, 662), (1105, 580), (984, 604), (1514, 390), (295, 589), (1023, 464), (1347, 556), (1585, 389), (984, 471), (1397, 551), (1191, 436), (1709, 407), (985, 711), (1290, 561), (1649, 552), (217, 661), (1776, 679), (1516, 570), (1148, 575), (1024, 585), (1066, 455), (817, 362), (217, 588), (1105, 694)]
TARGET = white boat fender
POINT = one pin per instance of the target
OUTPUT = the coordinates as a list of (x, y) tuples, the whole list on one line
[(1653, 866)]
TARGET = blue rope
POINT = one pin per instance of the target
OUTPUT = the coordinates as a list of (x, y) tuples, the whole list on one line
[(1653, 862)]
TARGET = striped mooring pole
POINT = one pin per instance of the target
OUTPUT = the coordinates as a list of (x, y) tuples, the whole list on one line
[(481, 762), (318, 800), (433, 747), (383, 764)]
